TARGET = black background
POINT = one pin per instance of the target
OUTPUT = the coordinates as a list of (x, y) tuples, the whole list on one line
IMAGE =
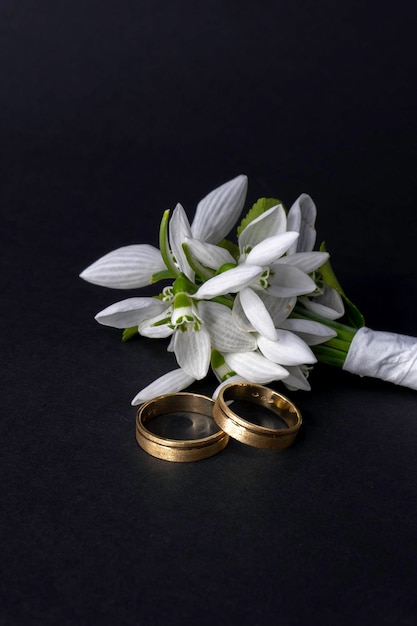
[(109, 114)]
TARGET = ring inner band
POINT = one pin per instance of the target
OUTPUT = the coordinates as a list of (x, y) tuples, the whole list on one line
[(178, 449), (258, 436)]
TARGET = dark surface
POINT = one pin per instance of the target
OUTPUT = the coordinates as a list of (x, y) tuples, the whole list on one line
[(110, 113)]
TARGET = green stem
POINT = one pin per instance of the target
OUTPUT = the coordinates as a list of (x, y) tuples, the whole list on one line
[(339, 344), (227, 301), (162, 275), (204, 273), (328, 355), (164, 246), (129, 333), (333, 351)]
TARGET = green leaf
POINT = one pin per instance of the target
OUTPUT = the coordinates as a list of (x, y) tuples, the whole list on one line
[(328, 274), (353, 316), (129, 333), (260, 206)]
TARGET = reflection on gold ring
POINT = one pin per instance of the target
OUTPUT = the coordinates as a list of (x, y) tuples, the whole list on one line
[(178, 449), (252, 434)]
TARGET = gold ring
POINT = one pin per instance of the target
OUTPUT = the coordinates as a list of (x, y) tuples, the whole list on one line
[(178, 449), (252, 434)]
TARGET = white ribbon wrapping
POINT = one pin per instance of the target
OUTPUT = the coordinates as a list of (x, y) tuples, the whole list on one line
[(387, 356)]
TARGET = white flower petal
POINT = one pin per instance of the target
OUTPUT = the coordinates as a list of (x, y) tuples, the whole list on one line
[(171, 382), (230, 281), (217, 213), (208, 254), (255, 367), (129, 267), (130, 312), (270, 249), (155, 327), (286, 281), (192, 351), (294, 222), (319, 309), (306, 261), (271, 222), (179, 230), (224, 333), (278, 308), (257, 313), (239, 316), (288, 349), (297, 379), (312, 332), (302, 217), (329, 304), (332, 299)]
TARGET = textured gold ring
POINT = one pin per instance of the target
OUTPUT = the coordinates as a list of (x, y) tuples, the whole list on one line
[(178, 449), (252, 434)]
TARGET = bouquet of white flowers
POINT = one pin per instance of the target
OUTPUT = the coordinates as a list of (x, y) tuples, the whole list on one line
[(261, 308)]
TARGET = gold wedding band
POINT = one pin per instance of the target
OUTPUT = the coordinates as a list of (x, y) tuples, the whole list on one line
[(178, 449), (252, 434)]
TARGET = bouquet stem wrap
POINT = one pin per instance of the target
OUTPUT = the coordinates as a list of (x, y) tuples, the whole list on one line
[(387, 356)]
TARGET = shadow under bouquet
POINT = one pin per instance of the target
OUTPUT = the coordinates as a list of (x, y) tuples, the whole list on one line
[(261, 307)]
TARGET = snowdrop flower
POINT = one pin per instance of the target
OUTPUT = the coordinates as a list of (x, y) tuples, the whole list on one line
[(287, 349), (281, 359), (176, 316), (140, 313), (312, 332), (222, 331), (326, 301), (295, 377), (195, 330), (260, 272), (138, 265), (246, 366), (287, 358)]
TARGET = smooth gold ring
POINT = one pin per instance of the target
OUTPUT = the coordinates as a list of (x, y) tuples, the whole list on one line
[(252, 434), (178, 449)]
